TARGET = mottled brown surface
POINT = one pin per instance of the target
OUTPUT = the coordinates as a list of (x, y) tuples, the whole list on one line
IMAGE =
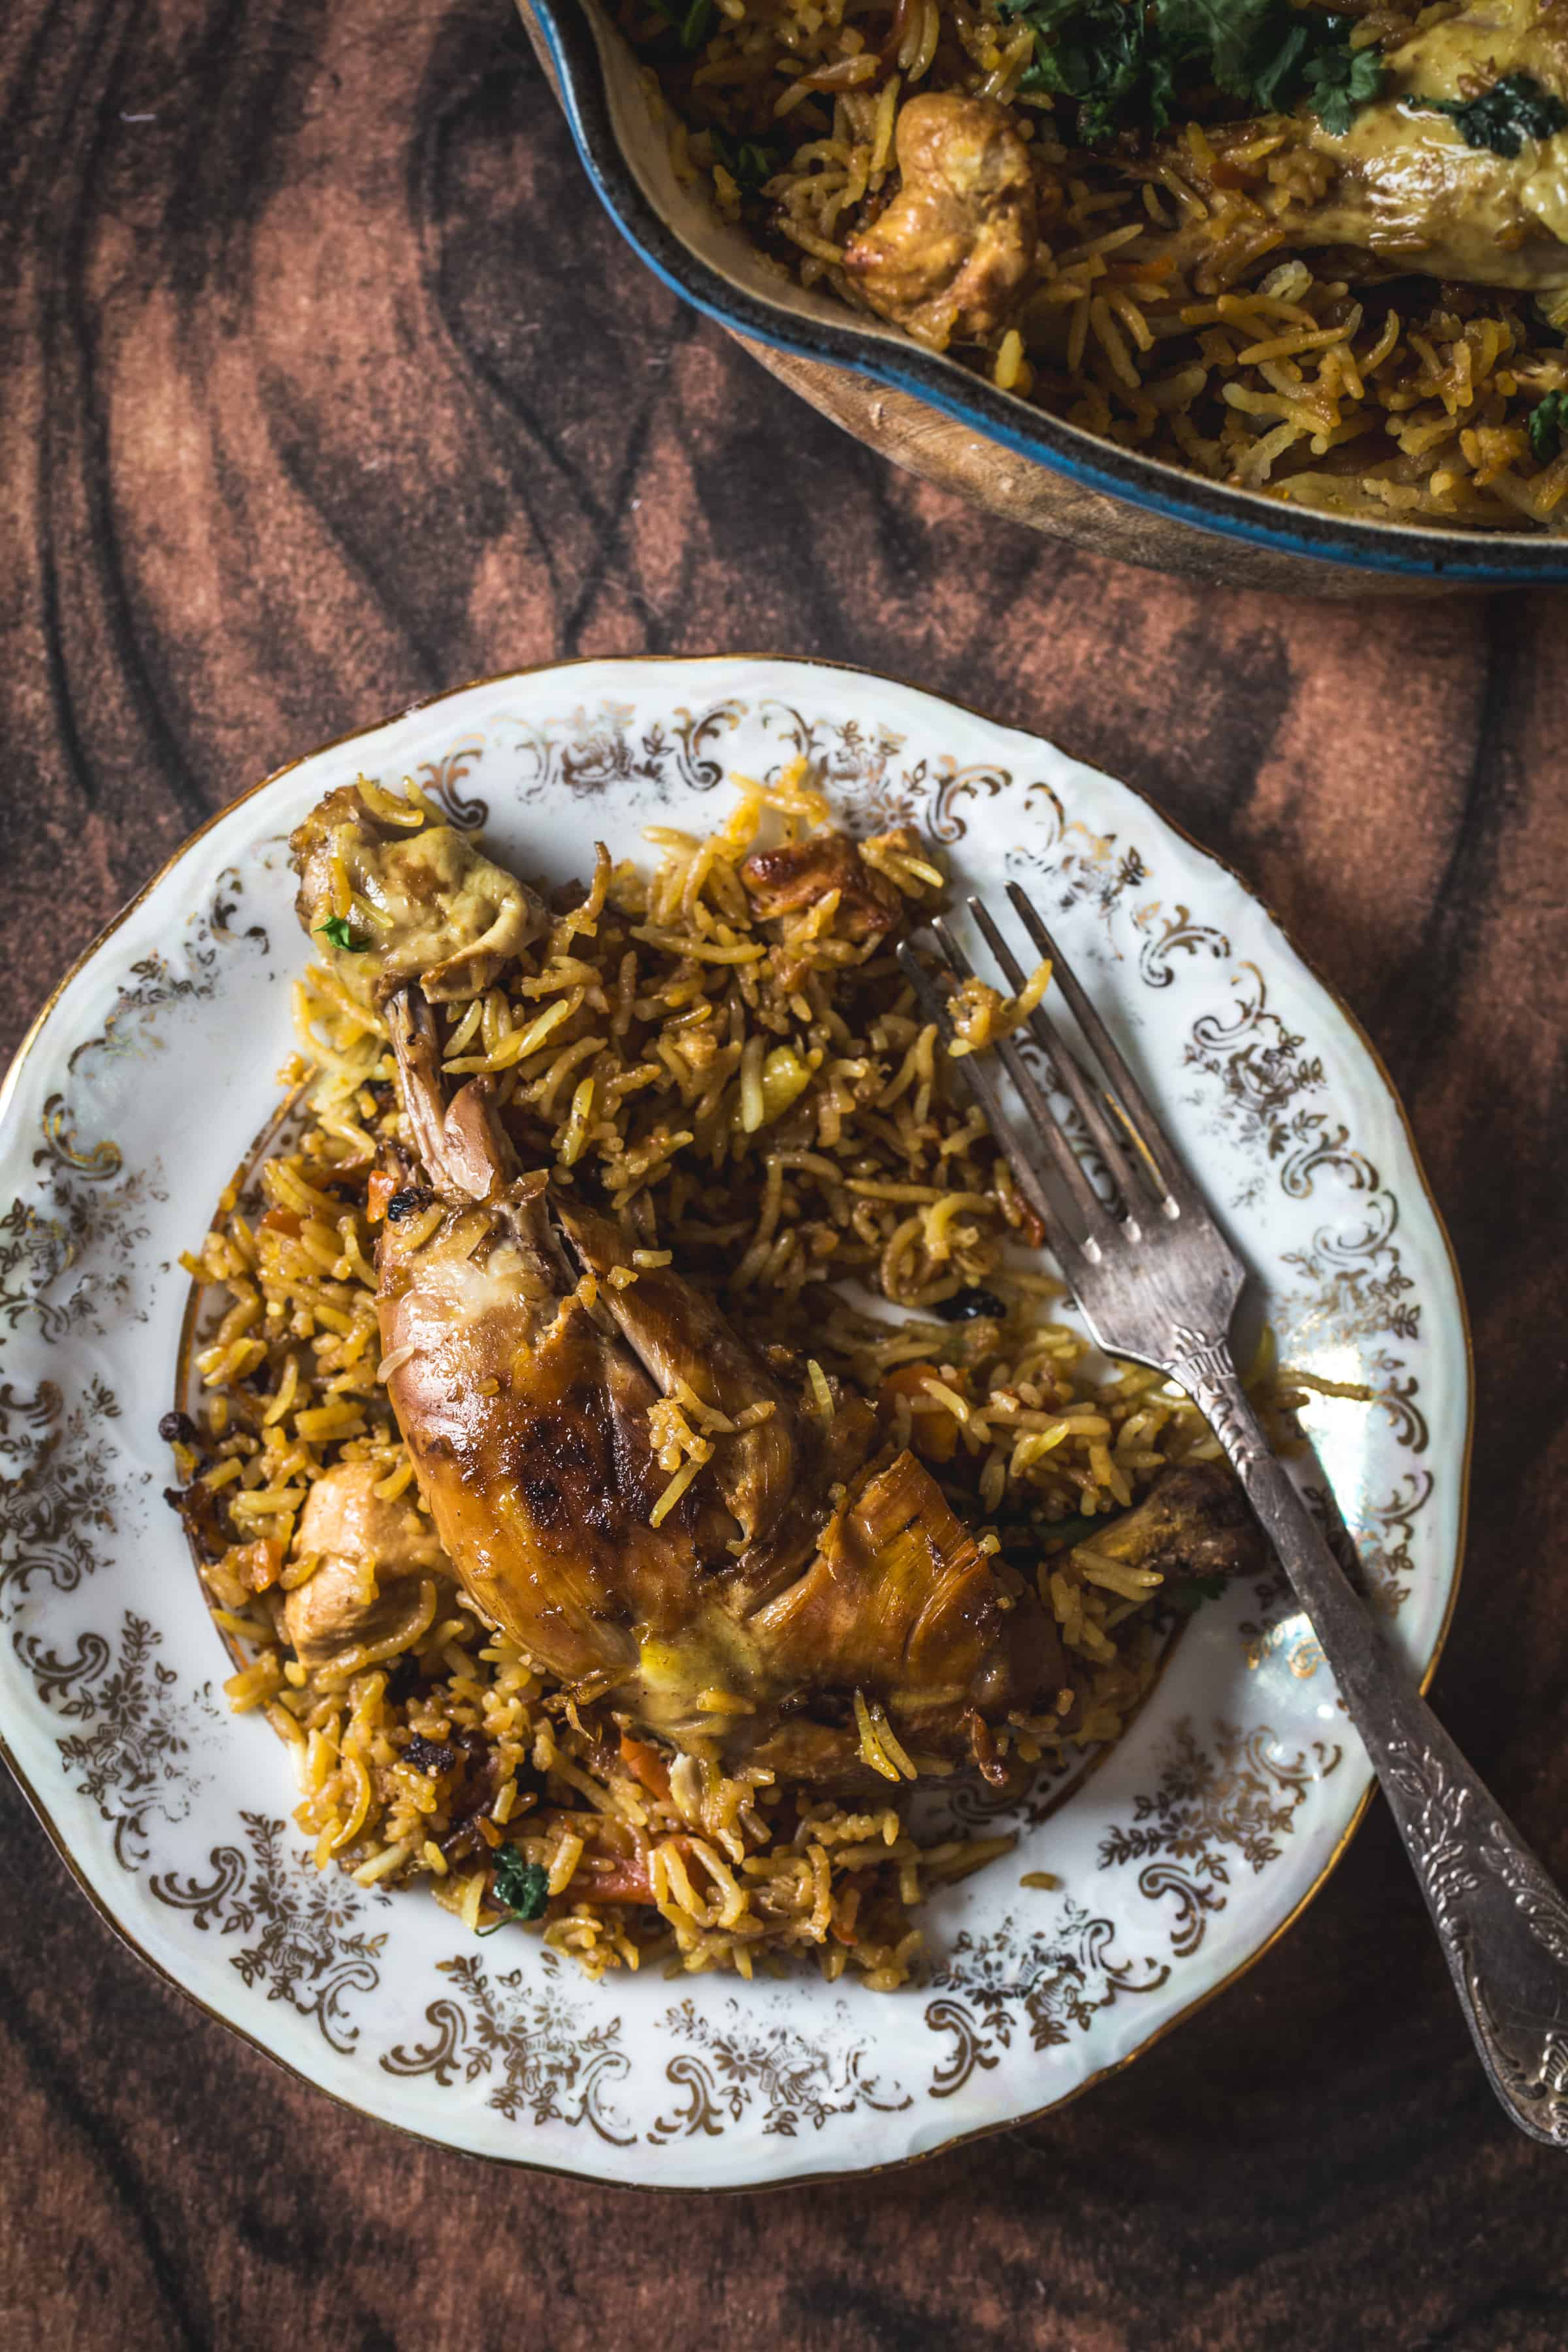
[(325, 386)]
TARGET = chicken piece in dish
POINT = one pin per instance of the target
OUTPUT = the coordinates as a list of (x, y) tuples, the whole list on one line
[(380, 1563), (949, 255), (420, 901), (1405, 185), (785, 880), (536, 1398), (1193, 1521)]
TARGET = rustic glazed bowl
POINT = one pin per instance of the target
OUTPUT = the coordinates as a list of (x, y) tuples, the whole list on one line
[(1174, 1859), (933, 416)]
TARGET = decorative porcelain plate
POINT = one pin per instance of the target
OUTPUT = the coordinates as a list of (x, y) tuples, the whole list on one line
[(1176, 1858)]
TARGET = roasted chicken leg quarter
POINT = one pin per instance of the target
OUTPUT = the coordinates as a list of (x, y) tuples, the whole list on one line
[(746, 1608)]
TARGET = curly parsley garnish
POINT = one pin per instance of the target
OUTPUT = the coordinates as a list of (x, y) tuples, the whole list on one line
[(1548, 426), (522, 1888), (1121, 62), (341, 933), (1515, 108)]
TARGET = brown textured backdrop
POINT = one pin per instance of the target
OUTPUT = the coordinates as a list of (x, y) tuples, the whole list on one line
[(324, 385)]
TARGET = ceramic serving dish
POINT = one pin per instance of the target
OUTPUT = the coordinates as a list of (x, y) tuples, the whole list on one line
[(1176, 1858), (934, 417)]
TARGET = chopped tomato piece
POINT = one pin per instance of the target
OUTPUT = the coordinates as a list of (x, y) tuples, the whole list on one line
[(282, 1221), (377, 1193)]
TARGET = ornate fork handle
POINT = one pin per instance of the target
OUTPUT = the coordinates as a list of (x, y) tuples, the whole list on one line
[(1502, 1923)]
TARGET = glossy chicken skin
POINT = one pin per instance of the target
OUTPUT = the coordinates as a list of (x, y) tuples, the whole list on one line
[(756, 1609), (1408, 190)]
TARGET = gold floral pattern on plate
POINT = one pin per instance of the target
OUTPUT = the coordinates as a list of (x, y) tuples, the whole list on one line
[(545, 2059), (1224, 1803), (306, 1945), (1172, 1863), (733, 2065)]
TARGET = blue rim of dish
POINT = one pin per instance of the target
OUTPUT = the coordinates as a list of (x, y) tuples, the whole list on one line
[(1494, 560)]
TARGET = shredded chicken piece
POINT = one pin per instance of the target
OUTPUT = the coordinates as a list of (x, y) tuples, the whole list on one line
[(374, 1557)]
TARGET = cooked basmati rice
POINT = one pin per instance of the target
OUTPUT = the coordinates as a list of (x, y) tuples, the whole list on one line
[(424, 1756)]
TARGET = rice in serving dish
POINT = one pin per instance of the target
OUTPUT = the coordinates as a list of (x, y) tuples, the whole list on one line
[(1323, 255), (713, 1080)]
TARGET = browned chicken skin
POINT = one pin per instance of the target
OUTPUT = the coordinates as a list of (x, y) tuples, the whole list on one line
[(951, 251), (757, 1607)]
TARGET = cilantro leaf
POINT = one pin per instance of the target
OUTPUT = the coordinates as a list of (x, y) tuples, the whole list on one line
[(1276, 81), (1516, 108), (1122, 62), (1229, 40), (1103, 55), (1549, 426), (1340, 82), (520, 1888), (341, 933)]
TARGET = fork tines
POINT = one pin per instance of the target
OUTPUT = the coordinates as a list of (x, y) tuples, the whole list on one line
[(1119, 1124)]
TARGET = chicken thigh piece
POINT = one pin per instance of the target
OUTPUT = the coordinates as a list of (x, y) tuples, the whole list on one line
[(951, 251), (1409, 189), (751, 1608)]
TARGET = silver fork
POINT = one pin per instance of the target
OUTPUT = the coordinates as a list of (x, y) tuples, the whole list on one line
[(1157, 1281)]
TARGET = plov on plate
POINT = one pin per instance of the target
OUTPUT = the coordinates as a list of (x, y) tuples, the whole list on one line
[(479, 1349)]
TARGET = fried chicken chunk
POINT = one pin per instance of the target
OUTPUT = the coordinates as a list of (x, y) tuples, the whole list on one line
[(1193, 1521), (951, 252), (424, 902), (785, 880)]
